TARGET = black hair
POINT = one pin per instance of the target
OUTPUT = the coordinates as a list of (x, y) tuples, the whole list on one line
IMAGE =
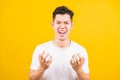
[(63, 10)]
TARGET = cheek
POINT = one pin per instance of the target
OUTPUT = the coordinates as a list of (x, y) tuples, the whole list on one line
[(55, 29), (55, 25), (69, 29)]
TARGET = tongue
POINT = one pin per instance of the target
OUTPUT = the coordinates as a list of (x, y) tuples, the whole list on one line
[(62, 32)]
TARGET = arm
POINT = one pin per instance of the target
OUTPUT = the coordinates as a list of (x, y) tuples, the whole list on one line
[(35, 74), (44, 64), (82, 75)]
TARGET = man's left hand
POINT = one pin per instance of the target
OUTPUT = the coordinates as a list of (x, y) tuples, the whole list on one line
[(77, 61)]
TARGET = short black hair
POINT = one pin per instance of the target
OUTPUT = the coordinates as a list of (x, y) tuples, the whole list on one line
[(63, 10)]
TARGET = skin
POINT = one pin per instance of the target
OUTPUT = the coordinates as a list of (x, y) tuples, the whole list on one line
[(62, 25), (77, 61), (45, 62)]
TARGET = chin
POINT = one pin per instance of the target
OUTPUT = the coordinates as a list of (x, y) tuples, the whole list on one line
[(62, 39)]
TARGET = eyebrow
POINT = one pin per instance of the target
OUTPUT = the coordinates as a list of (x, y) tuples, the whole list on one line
[(63, 21)]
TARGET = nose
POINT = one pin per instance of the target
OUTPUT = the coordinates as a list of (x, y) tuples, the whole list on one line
[(62, 26)]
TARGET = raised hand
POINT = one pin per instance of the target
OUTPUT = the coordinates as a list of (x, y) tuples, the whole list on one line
[(45, 61), (77, 61)]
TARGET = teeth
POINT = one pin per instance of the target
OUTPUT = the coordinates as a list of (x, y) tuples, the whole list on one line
[(60, 31)]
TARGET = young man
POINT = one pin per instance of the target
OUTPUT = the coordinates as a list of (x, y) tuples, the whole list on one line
[(60, 58)]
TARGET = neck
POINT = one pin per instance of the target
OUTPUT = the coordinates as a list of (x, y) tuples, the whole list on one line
[(62, 43)]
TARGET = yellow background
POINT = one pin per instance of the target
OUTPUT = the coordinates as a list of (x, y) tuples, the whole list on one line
[(26, 23)]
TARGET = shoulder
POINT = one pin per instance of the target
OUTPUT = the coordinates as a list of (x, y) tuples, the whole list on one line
[(77, 45), (80, 49), (43, 46)]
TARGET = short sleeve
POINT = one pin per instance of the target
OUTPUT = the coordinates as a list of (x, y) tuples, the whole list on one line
[(85, 66), (35, 61)]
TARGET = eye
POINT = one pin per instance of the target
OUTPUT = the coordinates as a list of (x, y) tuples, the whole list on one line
[(66, 23), (58, 22)]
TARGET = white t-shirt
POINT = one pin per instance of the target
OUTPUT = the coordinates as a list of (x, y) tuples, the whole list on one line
[(60, 68)]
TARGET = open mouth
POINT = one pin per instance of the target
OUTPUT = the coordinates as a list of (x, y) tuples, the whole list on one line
[(62, 31)]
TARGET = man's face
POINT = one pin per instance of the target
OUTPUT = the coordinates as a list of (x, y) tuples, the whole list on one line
[(62, 25)]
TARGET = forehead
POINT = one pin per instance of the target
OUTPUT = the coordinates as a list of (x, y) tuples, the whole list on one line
[(62, 17)]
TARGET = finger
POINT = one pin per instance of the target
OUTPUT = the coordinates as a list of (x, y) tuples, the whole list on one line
[(82, 60), (41, 55), (78, 56), (78, 62), (74, 60), (46, 62), (71, 62), (78, 59), (49, 61), (45, 58)]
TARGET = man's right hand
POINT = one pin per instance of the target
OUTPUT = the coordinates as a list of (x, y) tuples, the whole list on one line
[(44, 64), (45, 61)]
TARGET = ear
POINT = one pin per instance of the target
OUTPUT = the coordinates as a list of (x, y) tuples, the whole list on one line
[(72, 24), (52, 24)]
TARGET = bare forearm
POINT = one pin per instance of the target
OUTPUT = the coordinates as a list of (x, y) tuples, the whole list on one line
[(36, 75), (82, 75)]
